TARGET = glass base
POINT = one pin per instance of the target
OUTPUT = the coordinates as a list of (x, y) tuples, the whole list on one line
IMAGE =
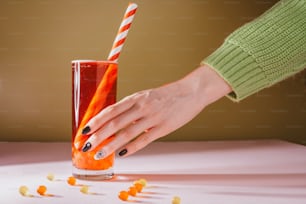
[(85, 174)]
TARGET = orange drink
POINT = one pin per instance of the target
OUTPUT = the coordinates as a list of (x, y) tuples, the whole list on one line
[(93, 88)]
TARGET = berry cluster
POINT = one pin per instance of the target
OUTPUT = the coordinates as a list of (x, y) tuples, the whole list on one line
[(133, 190)]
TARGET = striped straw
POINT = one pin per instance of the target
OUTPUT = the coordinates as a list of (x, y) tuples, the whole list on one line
[(122, 33)]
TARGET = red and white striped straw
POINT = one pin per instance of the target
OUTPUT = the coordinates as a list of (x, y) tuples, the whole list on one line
[(122, 32)]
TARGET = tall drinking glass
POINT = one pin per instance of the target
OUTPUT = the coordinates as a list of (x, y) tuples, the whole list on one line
[(93, 89)]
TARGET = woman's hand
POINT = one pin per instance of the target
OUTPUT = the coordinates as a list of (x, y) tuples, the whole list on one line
[(147, 115)]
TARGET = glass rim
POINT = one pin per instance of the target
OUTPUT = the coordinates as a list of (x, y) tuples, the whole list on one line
[(89, 60)]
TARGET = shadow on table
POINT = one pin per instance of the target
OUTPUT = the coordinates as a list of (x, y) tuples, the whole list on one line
[(294, 180), (254, 185)]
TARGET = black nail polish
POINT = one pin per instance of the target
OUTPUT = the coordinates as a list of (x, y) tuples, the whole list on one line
[(123, 152), (86, 130), (86, 147)]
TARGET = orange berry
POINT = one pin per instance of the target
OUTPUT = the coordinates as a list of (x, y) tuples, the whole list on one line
[(71, 180), (41, 190), (132, 191), (138, 187), (123, 195)]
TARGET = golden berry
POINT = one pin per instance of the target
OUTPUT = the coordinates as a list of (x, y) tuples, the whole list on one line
[(176, 200), (84, 189), (50, 177), (143, 182), (23, 190)]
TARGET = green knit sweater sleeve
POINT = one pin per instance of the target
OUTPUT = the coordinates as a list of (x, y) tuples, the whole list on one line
[(264, 51)]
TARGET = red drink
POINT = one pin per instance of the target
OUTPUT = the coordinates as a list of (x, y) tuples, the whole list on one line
[(93, 88)]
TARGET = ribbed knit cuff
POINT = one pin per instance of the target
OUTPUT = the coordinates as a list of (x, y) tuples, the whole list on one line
[(239, 69), (264, 51)]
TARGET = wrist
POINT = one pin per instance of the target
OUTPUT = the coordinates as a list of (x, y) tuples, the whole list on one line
[(206, 85)]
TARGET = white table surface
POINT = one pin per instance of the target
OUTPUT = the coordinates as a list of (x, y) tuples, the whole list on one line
[(220, 172)]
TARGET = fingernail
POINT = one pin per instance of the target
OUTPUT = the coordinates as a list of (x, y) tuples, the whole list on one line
[(86, 130), (123, 152), (100, 155), (86, 147)]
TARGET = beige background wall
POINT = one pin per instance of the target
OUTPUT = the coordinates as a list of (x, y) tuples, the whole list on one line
[(168, 39)]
